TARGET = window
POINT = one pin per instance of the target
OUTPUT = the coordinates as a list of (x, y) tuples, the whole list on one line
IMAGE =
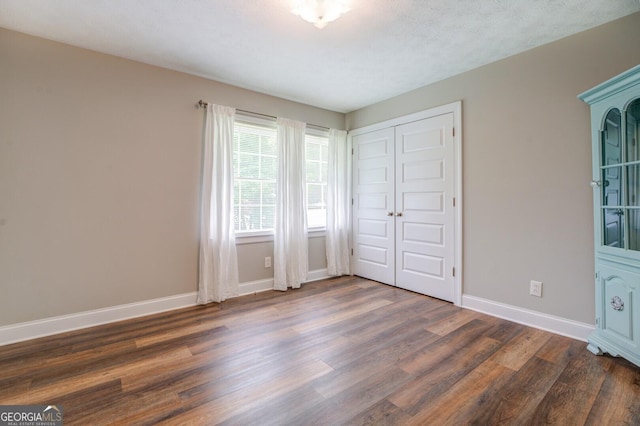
[(255, 166), (255, 171), (316, 159)]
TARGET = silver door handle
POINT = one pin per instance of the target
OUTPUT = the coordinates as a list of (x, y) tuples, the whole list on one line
[(398, 213), (389, 213), (595, 183)]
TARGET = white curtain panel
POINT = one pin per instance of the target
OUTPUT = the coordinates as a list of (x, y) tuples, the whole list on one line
[(218, 275), (290, 244), (338, 205)]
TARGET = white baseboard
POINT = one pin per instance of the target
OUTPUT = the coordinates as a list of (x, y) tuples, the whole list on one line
[(48, 326), (251, 287), (317, 275), (562, 326), (33, 329)]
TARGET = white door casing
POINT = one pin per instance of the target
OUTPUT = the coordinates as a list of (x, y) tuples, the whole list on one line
[(407, 225)]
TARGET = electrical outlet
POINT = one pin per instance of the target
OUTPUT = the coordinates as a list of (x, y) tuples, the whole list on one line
[(535, 289), (267, 262)]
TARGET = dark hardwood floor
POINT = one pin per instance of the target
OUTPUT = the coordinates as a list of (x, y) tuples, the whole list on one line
[(340, 351)]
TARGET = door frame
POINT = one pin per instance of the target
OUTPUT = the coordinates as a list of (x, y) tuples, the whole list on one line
[(456, 109)]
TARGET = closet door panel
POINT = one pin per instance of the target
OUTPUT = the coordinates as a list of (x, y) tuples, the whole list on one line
[(373, 225), (424, 200)]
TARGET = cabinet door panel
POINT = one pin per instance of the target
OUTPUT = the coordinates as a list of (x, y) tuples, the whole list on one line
[(618, 290)]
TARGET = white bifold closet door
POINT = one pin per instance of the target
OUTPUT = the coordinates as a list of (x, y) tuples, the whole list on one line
[(403, 217)]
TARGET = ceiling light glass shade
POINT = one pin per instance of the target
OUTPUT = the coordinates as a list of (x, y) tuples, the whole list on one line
[(320, 12)]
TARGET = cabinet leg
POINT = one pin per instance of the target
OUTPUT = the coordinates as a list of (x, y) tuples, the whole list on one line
[(594, 349)]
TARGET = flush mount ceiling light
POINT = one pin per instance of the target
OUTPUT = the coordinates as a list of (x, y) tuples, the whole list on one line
[(320, 12)]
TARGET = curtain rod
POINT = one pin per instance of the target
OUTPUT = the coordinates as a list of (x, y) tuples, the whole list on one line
[(203, 104)]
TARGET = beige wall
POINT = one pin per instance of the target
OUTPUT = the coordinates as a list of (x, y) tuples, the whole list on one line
[(100, 166), (100, 162), (251, 259), (526, 166)]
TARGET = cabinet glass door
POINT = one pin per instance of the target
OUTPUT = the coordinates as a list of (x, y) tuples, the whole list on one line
[(620, 178), (633, 172), (611, 181)]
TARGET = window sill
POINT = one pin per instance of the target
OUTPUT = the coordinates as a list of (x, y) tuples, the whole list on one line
[(253, 237), (316, 232), (265, 237)]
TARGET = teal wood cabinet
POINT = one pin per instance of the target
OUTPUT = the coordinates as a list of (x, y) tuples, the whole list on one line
[(615, 130)]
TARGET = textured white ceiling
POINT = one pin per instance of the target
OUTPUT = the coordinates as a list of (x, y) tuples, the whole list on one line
[(380, 49)]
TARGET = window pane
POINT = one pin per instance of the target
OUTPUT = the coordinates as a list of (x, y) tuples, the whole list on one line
[(314, 195), (633, 131), (268, 168), (634, 229), (316, 218), (633, 185), (611, 143), (250, 218), (236, 216), (249, 142), (313, 151), (250, 193), (316, 152), (313, 172), (612, 186), (269, 145), (268, 194), (268, 215), (613, 229), (255, 173), (249, 166)]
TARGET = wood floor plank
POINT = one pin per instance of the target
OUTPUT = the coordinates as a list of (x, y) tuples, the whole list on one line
[(203, 326), (517, 351), (572, 396), (359, 365), (559, 350), (359, 397), (451, 323), (618, 401), (99, 336), (342, 316), (279, 410), (503, 331), (515, 402), (444, 348), (132, 409), (465, 398), (383, 413), (374, 342), (31, 366), (86, 402), (338, 351), (210, 404), (442, 375), (58, 388)]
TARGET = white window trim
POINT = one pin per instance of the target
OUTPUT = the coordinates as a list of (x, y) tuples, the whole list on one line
[(314, 131), (248, 237), (252, 237)]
